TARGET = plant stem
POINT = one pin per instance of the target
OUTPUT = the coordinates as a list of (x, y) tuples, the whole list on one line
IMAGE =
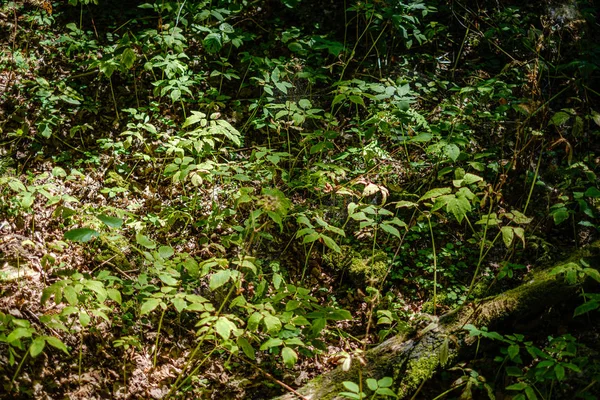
[(434, 265), (160, 322)]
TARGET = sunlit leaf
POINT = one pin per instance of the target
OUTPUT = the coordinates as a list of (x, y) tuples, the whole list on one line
[(81, 234)]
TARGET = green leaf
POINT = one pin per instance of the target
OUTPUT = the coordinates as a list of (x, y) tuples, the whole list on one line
[(97, 287), (386, 392), (219, 278), (71, 295), (592, 273), (560, 215), (272, 324), (517, 386), (356, 100), (128, 58), (329, 242), (452, 151), (224, 327), (246, 347), (166, 252), (18, 334), (149, 305), (271, 342), (114, 295), (289, 357), (143, 240), (508, 235), (112, 222), (351, 386), (84, 319), (37, 346), (592, 192), (530, 393), (513, 351), (390, 229), (435, 193), (458, 206), (337, 99), (179, 303), (422, 137), (385, 382), (372, 384), (559, 371), (586, 307), (213, 43), (56, 343), (254, 320), (559, 118), (81, 234)]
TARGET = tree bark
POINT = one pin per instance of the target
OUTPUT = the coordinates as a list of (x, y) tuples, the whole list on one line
[(412, 360)]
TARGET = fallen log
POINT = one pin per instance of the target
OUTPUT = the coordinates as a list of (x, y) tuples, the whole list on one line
[(412, 360)]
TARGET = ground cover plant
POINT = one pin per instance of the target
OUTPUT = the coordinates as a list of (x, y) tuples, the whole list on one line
[(228, 198)]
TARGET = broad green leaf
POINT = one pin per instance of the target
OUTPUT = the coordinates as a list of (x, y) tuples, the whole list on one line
[(168, 279), (292, 305), (513, 351), (81, 234), (422, 137), (592, 273), (56, 343), (458, 206), (592, 192), (311, 237), (179, 303), (390, 229), (128, 58), (84, 318), (219, 278), (435, 193), (385, 382), (165, 252), (530, 392), (97, 287), (559, 118), (246, 347), (114, 295), (149, 305), (272, 324), (338, 99), (254, 320), (329, 242), (452, 151), (559, 370), (112, 222), (289, 357), (143, 240), (271, 342), (351, 386), (596, 117), (37, 346), (224, 327), (387, 392), (18, 334), (469, 179), (560, 215), (71, 295), (213, 42), (517, 386), (356, 100), (508, 235), (372, 384)]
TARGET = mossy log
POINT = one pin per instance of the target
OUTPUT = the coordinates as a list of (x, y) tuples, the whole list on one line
[(412, 360)]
